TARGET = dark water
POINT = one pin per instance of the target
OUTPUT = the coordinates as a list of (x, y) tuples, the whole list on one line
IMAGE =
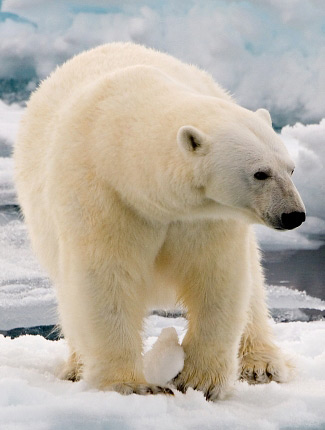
[(303, 270)]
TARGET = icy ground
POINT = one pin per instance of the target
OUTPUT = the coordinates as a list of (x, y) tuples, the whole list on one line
[(33, 398)]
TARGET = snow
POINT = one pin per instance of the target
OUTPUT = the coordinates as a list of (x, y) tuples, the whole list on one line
[(33, 398), (165, 359), (282, 297)]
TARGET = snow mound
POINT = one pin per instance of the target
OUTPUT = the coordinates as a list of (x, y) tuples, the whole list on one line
[(165, 360)]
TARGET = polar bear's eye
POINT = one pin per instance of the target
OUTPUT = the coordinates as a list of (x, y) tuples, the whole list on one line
[(261, 176)]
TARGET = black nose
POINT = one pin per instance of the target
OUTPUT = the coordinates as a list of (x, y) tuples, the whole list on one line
[(292, 220)]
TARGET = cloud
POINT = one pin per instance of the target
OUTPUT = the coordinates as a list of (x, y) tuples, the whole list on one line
[(293, 240), (306, 143), (268, 54)]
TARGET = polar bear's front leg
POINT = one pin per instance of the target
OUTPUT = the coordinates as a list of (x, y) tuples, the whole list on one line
[(261, 361), (214, 287), (102, 293), (103, 323)]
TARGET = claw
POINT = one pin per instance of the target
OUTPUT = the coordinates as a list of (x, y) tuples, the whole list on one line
[(213, 394), (181, 387), (168, 391), (127, 388)]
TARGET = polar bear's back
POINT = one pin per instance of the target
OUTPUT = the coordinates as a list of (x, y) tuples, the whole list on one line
[(71, 79), (85, 68)]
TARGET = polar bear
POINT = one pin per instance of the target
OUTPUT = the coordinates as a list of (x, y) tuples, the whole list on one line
[(139, 179)]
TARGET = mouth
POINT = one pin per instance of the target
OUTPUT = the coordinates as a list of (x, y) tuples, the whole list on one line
[(274, 223)]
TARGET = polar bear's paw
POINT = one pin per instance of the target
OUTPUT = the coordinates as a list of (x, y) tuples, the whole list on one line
[(127, 388), (71, 370), (266, 365), (213, 386)]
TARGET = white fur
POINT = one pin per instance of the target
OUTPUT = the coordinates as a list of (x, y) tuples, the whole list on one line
[(135, 173)]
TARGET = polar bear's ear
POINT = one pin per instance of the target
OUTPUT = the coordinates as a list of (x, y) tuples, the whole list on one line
[(264, 114), (191, 139)]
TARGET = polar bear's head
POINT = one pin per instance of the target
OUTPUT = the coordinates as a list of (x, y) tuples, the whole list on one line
[(243, 165)]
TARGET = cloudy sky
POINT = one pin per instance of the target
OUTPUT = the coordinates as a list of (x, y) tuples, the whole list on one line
[(268, 53)]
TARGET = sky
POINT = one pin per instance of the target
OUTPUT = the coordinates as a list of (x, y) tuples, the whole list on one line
[(267, 53)]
